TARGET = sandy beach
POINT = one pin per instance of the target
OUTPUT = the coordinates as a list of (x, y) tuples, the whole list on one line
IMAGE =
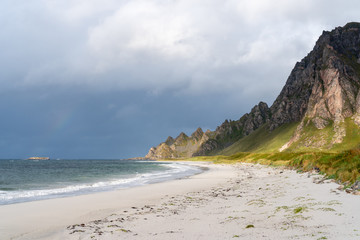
[(241, 201)]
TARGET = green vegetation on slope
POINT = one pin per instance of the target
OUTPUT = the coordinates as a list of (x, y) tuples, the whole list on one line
[(352, 138), (311, 139), (343, 166), (262, 140), (317, 140)]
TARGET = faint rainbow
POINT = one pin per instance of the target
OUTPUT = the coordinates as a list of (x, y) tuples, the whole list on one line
[(61, 123)]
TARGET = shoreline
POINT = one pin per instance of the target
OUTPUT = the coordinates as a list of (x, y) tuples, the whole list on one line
[(75, 187), (39, 219), (240, 201)]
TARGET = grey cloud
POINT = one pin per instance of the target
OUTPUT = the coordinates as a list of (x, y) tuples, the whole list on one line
[(133, 72), (158, 44)]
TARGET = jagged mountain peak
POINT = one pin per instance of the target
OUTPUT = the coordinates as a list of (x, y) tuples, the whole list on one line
[(169, 140), (328, 60), (322, 90), (182, 136), (198, 134)]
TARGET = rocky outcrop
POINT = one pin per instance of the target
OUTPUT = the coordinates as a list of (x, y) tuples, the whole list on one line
[(231, 131), (322, 90), (180, 147), (169, 141), (160, 152), (324, 85), (200, 143), (197, 135), (259, 115)]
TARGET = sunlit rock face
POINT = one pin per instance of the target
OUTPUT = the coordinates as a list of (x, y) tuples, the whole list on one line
[(322, 90)]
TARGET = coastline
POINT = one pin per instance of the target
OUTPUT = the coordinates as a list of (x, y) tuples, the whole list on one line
[(239, 201), (41, 219), (28, 181)]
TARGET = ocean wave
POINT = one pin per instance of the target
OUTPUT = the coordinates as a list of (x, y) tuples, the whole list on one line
[(174, 171)]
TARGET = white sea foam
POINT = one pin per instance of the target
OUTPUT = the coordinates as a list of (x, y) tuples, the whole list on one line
[(174, 171)]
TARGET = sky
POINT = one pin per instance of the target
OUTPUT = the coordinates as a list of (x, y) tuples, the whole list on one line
[(112, 78)]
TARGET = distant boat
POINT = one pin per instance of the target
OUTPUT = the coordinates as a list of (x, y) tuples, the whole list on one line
[(38, 158)]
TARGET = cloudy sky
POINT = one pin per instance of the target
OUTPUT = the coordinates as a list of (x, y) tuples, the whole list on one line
[(111, 78)]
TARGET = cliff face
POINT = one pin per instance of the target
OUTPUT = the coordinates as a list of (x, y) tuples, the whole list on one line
[(322, 91), (231, 131), (324, 81)]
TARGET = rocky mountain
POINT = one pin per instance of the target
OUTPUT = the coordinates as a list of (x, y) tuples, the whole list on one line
[(323, 89), (181, 146), (320, 100), (200, 143), (231, 131)]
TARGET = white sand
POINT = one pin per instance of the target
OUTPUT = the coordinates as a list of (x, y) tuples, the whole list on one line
[(218, 204)]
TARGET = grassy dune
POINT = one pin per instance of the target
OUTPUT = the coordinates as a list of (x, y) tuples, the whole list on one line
[(343, 166)]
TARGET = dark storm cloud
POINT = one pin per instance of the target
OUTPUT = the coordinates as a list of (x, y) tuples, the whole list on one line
[(91, 78)]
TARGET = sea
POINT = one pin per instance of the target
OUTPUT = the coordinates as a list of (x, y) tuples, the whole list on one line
[(32, 180)]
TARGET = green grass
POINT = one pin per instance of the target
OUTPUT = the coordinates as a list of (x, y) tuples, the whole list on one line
[(338, 161), (352, 138), (262, 140), (311, 140), (298, 210), (312, 135), (343, 166)]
